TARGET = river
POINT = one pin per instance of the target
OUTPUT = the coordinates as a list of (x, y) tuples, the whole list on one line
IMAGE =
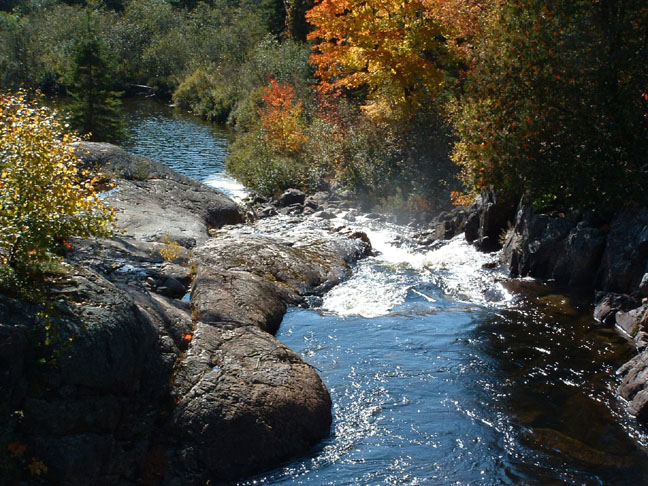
[(441, 370)]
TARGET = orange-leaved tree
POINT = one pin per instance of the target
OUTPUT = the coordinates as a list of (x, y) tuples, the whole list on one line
[(281, 118), (394, 48)]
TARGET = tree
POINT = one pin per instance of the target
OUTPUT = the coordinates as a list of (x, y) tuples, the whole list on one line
[(96, 106), (553, 104), (45, 197), (393, 48)]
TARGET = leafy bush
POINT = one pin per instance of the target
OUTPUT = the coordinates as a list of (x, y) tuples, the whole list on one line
[(44, 196), (206, 94), (553, 104)]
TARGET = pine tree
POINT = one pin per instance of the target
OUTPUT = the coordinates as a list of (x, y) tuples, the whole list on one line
[(95, 109)]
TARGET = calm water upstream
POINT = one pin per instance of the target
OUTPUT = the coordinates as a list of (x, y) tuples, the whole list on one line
[(441, 372)]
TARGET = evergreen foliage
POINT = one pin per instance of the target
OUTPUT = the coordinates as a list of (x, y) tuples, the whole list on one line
[(95, 110)]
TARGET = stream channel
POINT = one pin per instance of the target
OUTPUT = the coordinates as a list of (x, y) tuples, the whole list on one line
[(441, 370)]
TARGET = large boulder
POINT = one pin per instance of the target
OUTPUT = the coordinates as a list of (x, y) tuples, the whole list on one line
[(233, 298), (92, 380), (486, 221), (563, 247), (300, 268), (625, 260), (245, 402), (634, 385)]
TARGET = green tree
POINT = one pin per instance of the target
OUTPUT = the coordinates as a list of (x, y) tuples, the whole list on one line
[(95, 109), (553, 105)]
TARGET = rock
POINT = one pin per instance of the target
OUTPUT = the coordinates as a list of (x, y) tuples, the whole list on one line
[(643, 286), (311, 203), (324, 215), (632, 321), (154, 203), (485, 229), (608, 304), (172, 288), (290, 197), (301, 268), (558, 247), (90, 406), (625, 260), (634, 385), (266, 212), (246, 402), (230, 298)]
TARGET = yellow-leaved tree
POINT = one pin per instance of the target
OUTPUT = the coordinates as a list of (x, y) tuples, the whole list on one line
[(45, 196)]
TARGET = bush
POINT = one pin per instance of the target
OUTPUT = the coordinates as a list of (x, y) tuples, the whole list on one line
[(207, 94), (44, 197)]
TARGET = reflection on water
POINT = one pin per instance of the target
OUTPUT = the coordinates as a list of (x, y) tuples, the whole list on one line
[(441, 372)]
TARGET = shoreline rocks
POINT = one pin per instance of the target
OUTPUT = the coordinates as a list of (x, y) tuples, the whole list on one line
[(164, 371)]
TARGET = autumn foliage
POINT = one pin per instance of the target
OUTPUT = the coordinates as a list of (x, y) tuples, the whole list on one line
[(552, 106), (391, 47), (45, 197), (280, 118)]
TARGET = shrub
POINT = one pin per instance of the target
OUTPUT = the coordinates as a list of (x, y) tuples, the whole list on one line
[(45, 198)]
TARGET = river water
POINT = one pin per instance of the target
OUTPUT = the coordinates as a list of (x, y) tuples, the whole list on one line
[(441, 370)]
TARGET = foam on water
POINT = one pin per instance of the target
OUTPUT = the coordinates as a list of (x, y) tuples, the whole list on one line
[(228, 185), (382, 282)]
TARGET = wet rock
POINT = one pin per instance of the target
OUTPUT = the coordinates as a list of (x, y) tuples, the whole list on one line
[(172, 288), (258, 199), (246, 402), (485, 222), (311, 203), (302, 267), (324, 215), (625, 260), (632, 321), (634, 385), (290, 197), (558, 247), (643, 286), (266, 212), (607, 305)]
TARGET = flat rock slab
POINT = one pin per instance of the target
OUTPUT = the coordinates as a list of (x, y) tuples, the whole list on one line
[(245, 402), (154, 202), (301, 267)]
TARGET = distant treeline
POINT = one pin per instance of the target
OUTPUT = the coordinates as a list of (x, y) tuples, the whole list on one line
[(390, 98)]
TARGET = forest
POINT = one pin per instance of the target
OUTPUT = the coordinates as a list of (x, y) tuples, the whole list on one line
[(408, 103)]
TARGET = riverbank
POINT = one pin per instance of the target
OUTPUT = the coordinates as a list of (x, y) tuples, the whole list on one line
[(605, 256), (154, 358)]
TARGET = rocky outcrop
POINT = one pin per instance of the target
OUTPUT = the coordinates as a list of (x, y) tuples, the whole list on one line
[(153, 202), (245, 402), (589, 252), (565, 248), (483, 224), (155, 364), (487, 219), (89, 396)]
